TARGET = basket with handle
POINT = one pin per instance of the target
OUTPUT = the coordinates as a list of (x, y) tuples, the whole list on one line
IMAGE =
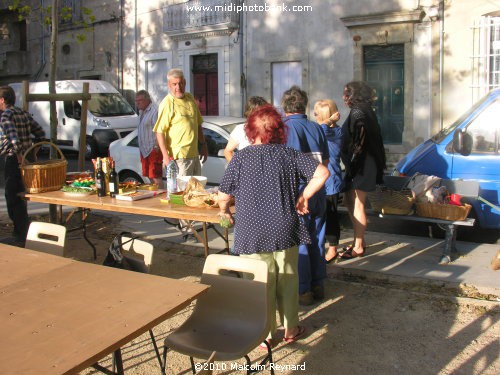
[(46, 175), (390, 201)]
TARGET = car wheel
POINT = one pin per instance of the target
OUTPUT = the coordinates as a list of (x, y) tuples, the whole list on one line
[(130, 176), (91, 148)]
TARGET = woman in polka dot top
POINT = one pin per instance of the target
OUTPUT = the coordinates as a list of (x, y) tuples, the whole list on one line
[(264, 180)]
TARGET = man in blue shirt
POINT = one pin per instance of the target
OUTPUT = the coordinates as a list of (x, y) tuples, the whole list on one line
[(306, 136)]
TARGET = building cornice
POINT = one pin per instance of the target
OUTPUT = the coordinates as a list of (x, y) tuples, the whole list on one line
[(412, 16)]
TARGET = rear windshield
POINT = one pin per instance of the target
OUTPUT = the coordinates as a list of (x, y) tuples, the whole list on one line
[(109, 104)]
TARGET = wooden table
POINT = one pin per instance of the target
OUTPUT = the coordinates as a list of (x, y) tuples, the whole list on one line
[(150, 207), (61, 316)]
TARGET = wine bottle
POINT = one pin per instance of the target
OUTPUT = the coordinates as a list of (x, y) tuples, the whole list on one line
[(100, 180), (113, 181)]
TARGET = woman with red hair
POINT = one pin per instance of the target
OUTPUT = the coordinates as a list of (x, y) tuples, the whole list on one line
[(264, 179)]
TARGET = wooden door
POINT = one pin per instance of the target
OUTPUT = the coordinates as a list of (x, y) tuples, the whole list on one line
[(384, 71), (206, 84)]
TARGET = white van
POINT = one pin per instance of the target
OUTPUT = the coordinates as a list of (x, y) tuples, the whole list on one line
[(109, 116)]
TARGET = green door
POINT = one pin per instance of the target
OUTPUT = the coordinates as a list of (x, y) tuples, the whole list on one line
[(384, 71)]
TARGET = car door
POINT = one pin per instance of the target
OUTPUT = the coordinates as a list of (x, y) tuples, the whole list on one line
[(484, 160), (216, 139)]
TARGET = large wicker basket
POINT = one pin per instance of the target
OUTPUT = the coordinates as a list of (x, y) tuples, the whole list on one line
[(443, 211), (42, 176), (390, 201)]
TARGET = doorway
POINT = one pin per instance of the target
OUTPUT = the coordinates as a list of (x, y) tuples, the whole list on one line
[(384, 71), (206, 84)]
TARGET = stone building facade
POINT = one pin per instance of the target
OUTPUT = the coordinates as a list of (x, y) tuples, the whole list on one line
[(429, 60)]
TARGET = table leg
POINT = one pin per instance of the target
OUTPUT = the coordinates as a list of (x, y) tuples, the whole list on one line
[(205, 238), (449, 244), (85, 212), (117, 365), (226, 239), (84, 230), (117, 355)]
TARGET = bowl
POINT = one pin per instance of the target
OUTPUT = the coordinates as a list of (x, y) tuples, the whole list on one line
[(183, 180)]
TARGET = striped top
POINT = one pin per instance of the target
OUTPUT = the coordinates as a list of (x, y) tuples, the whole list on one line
[(146, 137)]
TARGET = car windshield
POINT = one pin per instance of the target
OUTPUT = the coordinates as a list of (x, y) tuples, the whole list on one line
[(229, 128), (109, 104), (443, 133)]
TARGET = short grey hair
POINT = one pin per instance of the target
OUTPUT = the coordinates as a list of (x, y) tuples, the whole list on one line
[(175, 73), (143, 93), (294, 100)]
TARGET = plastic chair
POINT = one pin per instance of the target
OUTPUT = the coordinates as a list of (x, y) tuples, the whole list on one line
[(138, 252), (206, 368), (232, 318), (46, 237), (133, 249)]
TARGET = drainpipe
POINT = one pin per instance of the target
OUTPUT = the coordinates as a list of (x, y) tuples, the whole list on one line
[(243, 82), (42, 43), (135, 48), (120, 48), (441, 61)]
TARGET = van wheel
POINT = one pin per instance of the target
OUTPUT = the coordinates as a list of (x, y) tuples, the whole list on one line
[(130, 176), (91, 149)]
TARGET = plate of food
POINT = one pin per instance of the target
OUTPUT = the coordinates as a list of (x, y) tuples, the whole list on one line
[(77, 190)]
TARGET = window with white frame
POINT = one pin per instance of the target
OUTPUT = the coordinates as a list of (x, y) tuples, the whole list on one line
[(486, 56)]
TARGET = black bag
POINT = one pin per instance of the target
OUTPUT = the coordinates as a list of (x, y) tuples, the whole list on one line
[(115, 257)]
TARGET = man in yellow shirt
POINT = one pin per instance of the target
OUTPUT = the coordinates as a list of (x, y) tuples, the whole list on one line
[(178, 129)]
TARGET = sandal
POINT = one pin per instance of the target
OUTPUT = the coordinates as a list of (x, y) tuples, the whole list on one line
[(332, 258), (346, 249), (300, 332), (350, 254), (337, 254), (263, 346)]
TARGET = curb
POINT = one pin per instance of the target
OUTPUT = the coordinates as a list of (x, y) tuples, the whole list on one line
[(416, 284)]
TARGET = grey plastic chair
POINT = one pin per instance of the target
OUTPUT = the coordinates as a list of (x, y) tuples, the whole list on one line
[(46, 237), (231, 319), (140, 253)]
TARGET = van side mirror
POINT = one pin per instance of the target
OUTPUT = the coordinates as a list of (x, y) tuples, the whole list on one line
[(462, 142)]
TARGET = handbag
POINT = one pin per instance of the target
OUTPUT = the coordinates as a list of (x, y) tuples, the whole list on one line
[(115, 258)]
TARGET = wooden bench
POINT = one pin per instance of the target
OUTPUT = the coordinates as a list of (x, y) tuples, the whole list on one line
[(467, 189)]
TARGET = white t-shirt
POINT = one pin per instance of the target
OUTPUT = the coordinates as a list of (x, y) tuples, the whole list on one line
[(238, 134)]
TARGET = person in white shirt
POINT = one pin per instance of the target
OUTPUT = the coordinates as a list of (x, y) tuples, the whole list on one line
[(237, 139)]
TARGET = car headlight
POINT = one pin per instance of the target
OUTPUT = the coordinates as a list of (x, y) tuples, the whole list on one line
[(101, 122)]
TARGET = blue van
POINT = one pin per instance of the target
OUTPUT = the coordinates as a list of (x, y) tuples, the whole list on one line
[(466, 150)]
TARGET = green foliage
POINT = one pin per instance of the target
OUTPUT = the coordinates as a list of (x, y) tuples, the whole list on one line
[(66, 15), (23, 11)]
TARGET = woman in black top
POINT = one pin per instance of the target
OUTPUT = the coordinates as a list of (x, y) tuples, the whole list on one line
[(363, 155)]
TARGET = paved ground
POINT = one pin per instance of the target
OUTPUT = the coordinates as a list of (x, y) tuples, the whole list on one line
[(394, 311)]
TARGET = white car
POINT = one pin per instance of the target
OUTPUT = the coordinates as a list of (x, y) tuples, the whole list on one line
[(125, 151)]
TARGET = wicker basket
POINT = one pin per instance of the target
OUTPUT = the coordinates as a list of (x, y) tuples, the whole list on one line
[(443, 211), (390, 201), (42, 176)]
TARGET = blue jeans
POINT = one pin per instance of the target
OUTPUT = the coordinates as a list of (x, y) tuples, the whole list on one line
[(312, 265)]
